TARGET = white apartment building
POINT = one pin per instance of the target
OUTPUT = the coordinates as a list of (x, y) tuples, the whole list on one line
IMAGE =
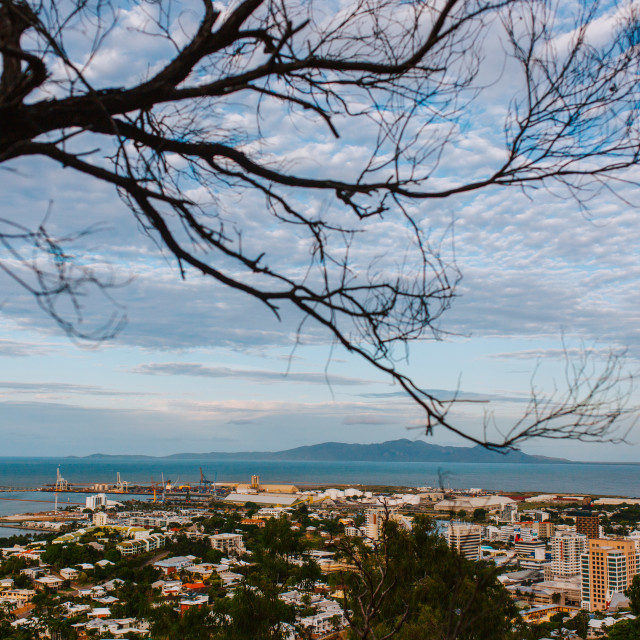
[(353, 532), (372, 522), (465, 539), (96, 502), (271, 512), (228, 543), (142, 545), (566, 549), (100, 519)]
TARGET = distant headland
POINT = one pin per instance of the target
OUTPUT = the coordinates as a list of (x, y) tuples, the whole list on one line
[(402, 450)]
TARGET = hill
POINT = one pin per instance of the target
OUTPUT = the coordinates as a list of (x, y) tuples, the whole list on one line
[(402, 450)]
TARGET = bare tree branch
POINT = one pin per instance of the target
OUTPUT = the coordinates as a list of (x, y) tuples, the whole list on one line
[(409, 72)]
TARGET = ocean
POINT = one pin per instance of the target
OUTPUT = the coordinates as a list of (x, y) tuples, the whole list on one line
[(32, 473), (587, 478)]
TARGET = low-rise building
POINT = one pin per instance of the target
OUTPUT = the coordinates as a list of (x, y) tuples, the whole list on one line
[(69, 573), (144, 544), (490, 503), (50, 582), (173, 565), (19, 596), (256, 522), (228, 543)]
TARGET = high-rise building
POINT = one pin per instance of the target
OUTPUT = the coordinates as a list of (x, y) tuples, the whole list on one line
[(465, 538), (372, 521), (588, 525), (607, 567), (96, 502), (566, 549)]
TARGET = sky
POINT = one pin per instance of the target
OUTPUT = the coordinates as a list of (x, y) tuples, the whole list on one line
[(200, 368)]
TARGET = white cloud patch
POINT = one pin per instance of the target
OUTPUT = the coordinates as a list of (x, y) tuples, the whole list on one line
[(255, 375)]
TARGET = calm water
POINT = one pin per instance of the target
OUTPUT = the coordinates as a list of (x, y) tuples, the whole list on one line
[(14, 502), (606, 479)]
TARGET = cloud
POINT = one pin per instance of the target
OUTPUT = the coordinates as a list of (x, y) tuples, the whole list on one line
[(255, 375), (369, 418), (462, 397), (13, 349), (570, 353), (65, 388)]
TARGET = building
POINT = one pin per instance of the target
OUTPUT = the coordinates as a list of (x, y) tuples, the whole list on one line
[(465, 539), (509, 512), (530, 549), (96, 502), (274, 499), (228, 543), (607, 568), (172, 565), (19, 596), (156, 521), (546, 529), (141, 545), (372, 522), (588, 525), (256, 522), (566, 549), (49, 582), (100, 519), (69, 573), (469, 504), (525, 531)]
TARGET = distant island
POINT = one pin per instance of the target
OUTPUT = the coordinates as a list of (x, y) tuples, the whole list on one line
[(403, 450)]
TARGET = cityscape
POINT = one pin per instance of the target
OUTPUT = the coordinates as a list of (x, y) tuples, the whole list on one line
[(176, 560), (319, 320)]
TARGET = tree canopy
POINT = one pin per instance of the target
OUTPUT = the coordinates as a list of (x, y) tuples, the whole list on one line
[(410, 585)]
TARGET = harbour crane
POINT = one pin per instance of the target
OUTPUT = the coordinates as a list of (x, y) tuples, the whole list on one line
[(205, 485), (155, 486), (122, 486), (61, 483)]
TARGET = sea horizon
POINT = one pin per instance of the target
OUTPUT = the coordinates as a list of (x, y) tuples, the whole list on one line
[(176, 456), (606, 479)]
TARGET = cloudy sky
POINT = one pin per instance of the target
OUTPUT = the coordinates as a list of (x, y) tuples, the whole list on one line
[(201, 368)]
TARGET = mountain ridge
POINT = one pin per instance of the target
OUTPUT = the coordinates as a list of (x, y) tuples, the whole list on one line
[(401, 450)]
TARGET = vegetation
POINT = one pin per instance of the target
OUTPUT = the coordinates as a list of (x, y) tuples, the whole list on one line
[(411, 585)]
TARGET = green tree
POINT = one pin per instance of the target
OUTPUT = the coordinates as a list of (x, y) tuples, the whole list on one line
[(480, 515), (252, 613), (413, 586), (633, 593), (624, 630), (580, 622)]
